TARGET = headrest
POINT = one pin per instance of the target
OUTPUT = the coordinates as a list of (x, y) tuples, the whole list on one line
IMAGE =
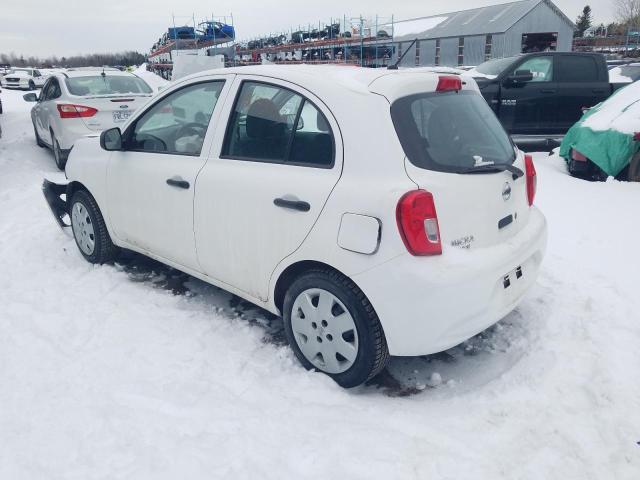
[(263, 119)]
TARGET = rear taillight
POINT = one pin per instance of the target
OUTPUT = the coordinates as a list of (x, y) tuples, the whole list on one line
[(532, 182), (636, 137), (418, 223), (68, 110), (449, 83)]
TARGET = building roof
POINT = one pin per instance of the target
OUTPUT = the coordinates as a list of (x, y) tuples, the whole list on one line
[(477, 21)]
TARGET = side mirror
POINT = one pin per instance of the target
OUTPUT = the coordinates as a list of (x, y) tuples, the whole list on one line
[(111, 140), (521, 76), (30, 97)]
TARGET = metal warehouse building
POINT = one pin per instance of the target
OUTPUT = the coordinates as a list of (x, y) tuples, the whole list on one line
[(470, 37)]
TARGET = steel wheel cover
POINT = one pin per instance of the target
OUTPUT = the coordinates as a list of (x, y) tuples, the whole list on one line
[(324, 330), (83, 228)]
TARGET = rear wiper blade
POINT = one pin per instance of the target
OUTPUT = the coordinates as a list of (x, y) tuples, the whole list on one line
[(515, 171)]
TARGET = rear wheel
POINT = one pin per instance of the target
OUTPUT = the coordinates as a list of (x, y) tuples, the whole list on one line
[(89, 229), (332, 327), (58, 154)]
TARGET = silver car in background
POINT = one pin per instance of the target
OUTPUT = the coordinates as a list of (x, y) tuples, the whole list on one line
[(80, 102)]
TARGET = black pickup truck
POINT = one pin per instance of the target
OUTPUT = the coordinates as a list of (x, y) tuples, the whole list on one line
[(539, 96)]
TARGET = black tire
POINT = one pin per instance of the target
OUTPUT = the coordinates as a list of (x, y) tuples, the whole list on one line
[(104, 250), (38, 139), (58, 154), (372, 355), (32, 86)]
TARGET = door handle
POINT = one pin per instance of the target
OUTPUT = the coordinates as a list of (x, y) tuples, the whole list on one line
[(299, 205), (547, 90), (176, 182)]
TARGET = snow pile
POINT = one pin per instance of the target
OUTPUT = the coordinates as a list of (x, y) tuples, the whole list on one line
[(136, 371), (414, 27), (156, 82), (620, 112)]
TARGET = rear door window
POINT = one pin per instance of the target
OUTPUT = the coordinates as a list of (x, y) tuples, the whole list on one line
[(450, 132), (273, 124), (577, 68)]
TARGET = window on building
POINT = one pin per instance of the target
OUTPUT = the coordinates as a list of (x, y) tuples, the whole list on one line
[(437, 59), (487, 47), (417, 53), (461, 51)]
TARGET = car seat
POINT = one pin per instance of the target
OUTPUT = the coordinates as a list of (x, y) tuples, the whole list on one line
[(266, 132)]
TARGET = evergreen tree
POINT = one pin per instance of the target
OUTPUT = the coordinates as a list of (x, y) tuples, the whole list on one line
[(583, 21)]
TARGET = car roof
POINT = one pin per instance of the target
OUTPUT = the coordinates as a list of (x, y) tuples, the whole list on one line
[(324, 79)]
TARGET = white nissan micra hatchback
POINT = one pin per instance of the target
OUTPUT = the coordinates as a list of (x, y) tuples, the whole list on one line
[(379, 212)]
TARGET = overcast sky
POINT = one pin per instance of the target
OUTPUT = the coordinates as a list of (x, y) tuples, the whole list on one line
[(67, 27)]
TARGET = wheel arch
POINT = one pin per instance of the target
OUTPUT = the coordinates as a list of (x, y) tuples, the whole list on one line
[(292, 272), (73, 186)]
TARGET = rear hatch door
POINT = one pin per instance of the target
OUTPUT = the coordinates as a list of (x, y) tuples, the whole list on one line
[(456, 149)]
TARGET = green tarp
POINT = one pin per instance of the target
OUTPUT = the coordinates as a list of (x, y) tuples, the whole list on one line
[(609, 149)]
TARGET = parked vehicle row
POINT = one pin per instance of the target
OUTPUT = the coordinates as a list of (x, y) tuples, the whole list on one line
[(83, 101), (361, 205)]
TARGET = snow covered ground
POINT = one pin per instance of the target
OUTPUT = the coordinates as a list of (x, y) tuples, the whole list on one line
[(136, 371)]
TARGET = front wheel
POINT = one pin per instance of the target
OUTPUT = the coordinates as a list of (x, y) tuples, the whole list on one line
[(32, 86), (332, 327), (89, 229)]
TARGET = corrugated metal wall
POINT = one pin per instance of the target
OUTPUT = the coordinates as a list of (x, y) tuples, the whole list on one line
[(427, 52), (541, 19), (474, 49), (449, 51), (498, 46)]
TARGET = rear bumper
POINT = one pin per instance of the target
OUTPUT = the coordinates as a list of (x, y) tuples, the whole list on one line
[(429, 304), (53, 195)]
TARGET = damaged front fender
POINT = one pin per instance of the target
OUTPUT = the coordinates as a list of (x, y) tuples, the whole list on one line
[(53, 194)]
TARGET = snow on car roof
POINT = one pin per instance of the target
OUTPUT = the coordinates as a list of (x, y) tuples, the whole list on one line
[(325, 78), (620, 112)]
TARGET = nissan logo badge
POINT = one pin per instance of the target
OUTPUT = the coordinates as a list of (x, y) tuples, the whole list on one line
[(506, 191)]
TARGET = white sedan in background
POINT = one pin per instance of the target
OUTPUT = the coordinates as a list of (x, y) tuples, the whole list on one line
[(379, 212), (79, 102), (26, 78)]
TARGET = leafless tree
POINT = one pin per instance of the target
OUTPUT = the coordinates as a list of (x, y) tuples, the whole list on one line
[(628, 11)]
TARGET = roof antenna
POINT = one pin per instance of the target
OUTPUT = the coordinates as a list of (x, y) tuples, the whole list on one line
[(395, 65)]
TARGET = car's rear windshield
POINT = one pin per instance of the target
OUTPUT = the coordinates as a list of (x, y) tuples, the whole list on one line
[(494, 67), (106, 85), (450, 131)]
